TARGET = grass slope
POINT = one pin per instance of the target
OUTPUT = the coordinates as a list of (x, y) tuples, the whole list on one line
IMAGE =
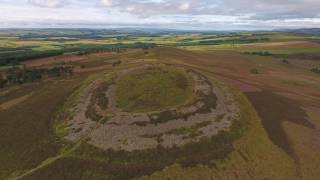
[(254, 157), (26, 136), (154, 89), (243, 153)]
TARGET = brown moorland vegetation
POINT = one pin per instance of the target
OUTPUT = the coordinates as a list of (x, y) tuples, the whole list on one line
[(285, 96), (32, 119)]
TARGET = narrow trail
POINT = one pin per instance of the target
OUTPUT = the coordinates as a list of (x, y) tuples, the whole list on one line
[(51, 160), (47, 162)]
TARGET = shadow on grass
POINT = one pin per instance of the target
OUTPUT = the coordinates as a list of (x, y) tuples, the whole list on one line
[(274, 110)]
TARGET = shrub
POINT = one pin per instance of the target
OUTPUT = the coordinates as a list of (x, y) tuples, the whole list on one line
[(316, 70), (2, 82), (259, 53), (285, 61), (117, 63), (254, 71)]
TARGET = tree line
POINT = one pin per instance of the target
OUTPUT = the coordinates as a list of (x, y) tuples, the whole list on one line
[(259, 53), (20, 75), (224, 41), (15, 57)]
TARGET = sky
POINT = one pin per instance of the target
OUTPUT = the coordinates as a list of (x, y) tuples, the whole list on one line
[(168, 14)]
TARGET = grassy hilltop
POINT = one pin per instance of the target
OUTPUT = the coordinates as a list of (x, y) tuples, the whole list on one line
[(55, 101)]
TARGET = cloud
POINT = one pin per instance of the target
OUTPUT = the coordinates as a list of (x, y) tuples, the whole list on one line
[(107, 3), (271, 9), (47, 3), (259, 9), (184, 6), (212, 14)]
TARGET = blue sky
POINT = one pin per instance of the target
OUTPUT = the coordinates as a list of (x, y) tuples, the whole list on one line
[(173, 14)]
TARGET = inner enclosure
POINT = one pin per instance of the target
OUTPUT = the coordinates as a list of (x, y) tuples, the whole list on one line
[(154, 89)]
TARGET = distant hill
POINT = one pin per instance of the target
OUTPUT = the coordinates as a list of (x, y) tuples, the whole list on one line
[(87, 33), (310, 31)]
